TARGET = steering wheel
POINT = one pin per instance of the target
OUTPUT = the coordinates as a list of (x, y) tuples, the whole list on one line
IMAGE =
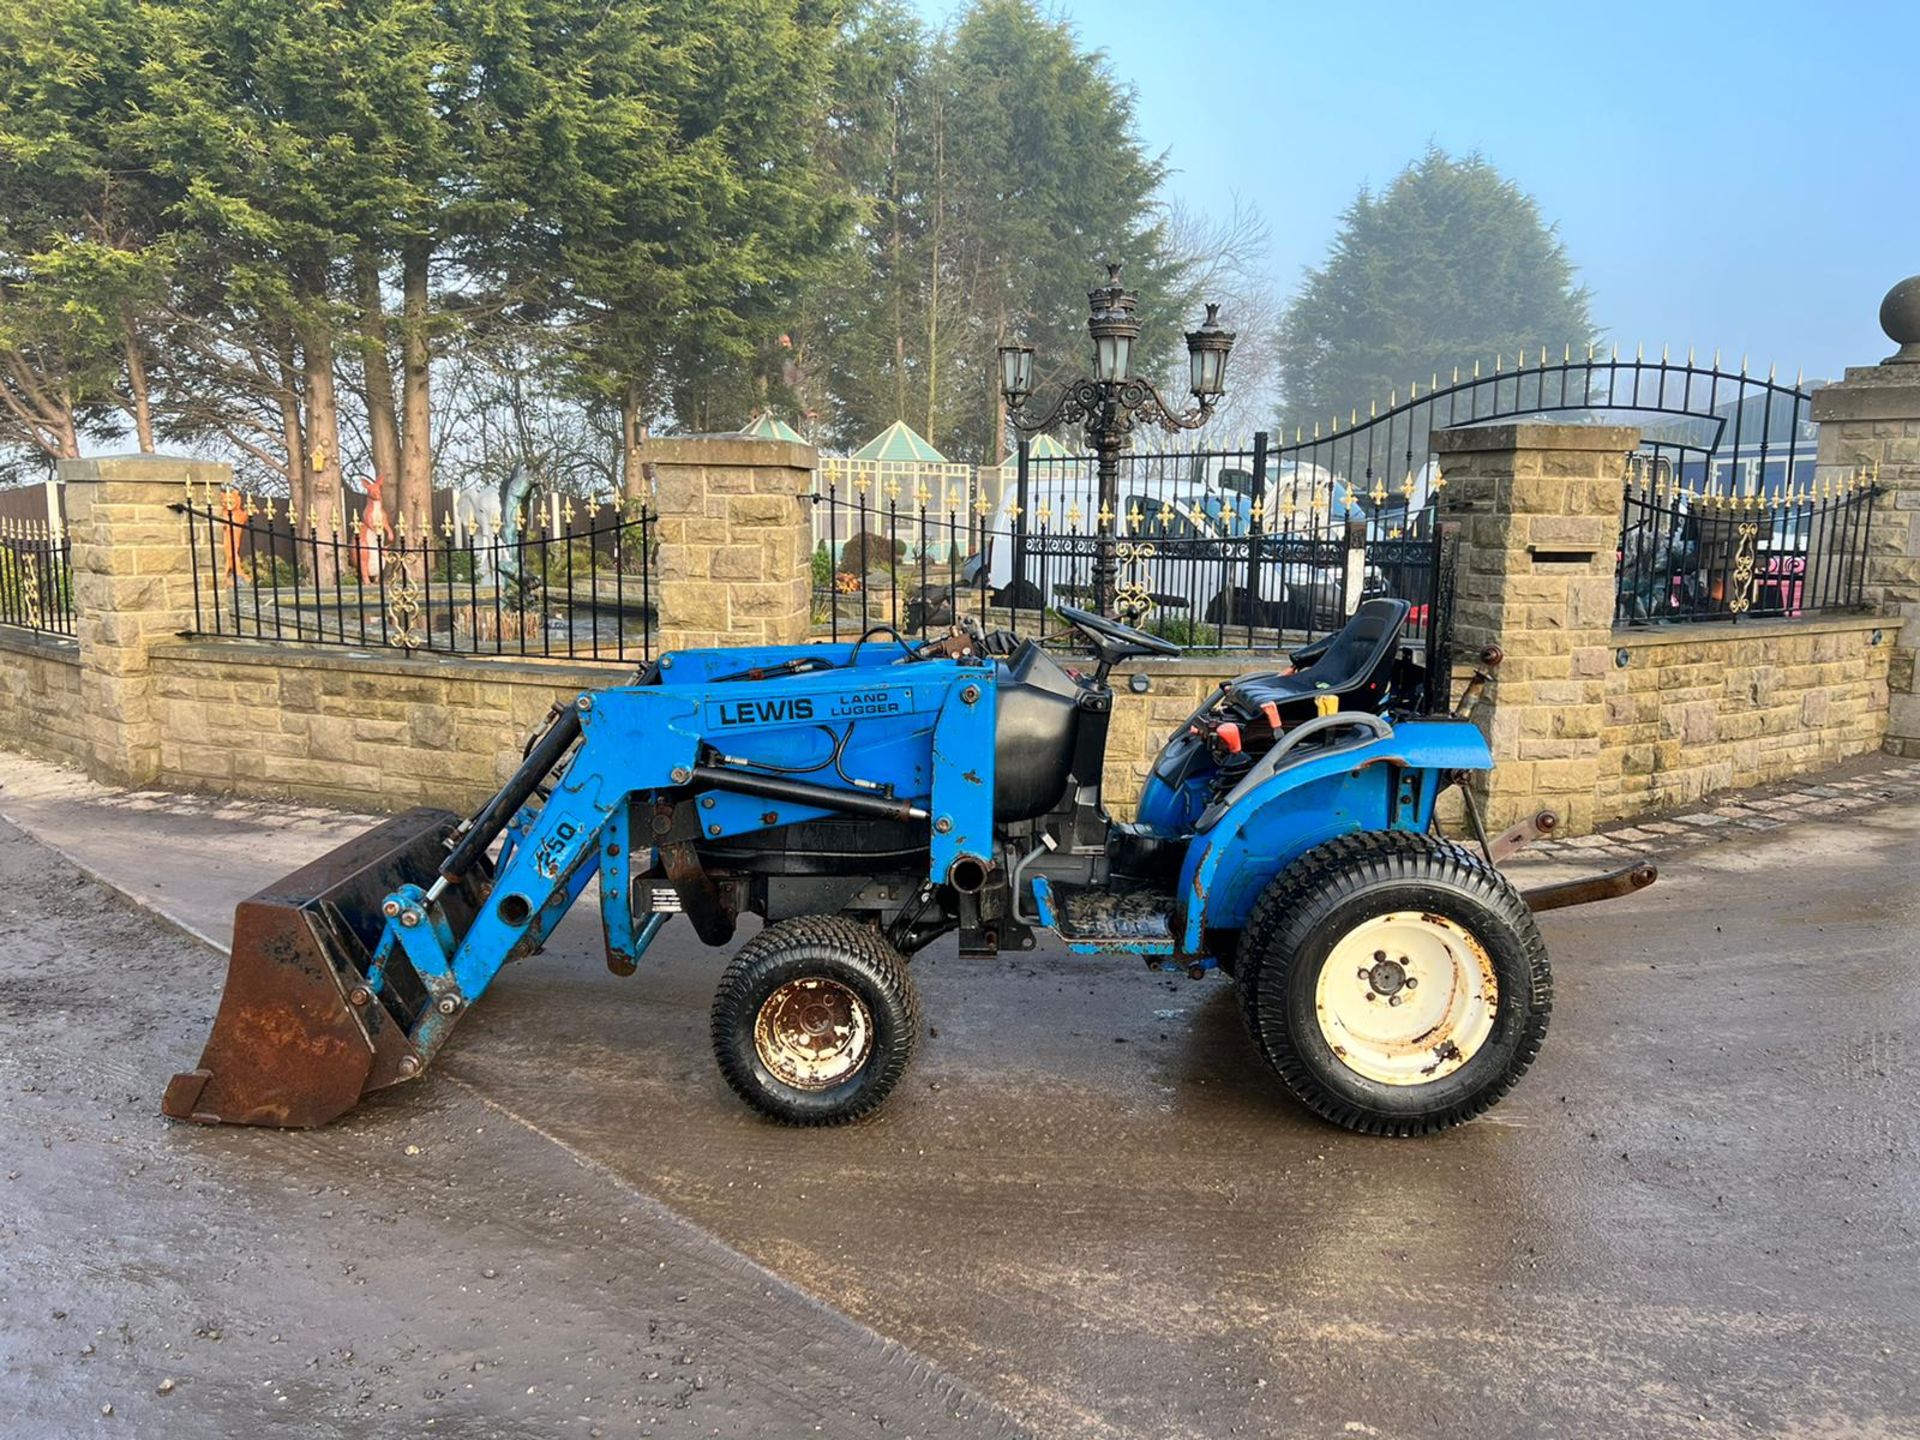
[(1113, 642)]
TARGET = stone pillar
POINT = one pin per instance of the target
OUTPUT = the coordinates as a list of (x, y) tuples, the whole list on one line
[(1872, 419), (132, 589), (735, 533), (1539, 508)]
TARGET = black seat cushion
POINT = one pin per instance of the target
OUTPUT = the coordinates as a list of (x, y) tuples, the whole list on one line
[(1355, 665)]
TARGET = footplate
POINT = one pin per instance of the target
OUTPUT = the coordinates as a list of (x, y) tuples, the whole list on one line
[(1095, 921)]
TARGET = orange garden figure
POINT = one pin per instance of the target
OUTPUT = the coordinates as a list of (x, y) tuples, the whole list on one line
[(233, 509), (370, 541)]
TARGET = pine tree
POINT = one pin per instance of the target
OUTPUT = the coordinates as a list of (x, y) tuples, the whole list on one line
[(1451, 263)]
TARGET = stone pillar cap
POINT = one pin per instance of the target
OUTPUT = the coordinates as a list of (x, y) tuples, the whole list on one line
[(1900, 318), (1535, 435), (91, 469)]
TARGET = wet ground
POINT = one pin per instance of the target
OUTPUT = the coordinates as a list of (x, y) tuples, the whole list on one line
[(1088, 1208)]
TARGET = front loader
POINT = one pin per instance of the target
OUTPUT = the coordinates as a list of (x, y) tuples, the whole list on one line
[(866, 800)]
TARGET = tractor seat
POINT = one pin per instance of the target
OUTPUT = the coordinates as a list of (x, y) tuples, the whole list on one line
[(1353, 665)]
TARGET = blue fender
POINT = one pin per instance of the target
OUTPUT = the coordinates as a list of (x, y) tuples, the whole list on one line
[(1387, 783)]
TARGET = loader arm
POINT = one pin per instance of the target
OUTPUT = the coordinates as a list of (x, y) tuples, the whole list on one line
[(363, 967)]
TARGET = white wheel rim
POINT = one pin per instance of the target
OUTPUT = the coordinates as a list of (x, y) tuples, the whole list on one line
[(813, 1033), (1406, 998)]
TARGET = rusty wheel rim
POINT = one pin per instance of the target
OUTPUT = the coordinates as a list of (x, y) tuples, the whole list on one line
[(813, 1033), (1407, 998)]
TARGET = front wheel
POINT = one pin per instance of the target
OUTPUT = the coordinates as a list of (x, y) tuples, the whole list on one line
[(815, 1021), (1396, 982)]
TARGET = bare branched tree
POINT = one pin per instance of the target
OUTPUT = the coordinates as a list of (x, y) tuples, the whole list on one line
[(1228, 261)]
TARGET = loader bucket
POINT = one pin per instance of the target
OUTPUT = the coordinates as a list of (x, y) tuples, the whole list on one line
[(300, 1035)]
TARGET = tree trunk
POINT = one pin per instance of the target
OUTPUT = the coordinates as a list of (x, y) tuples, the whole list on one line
[(631, 480), (293, 432), (142, 400), (416, 433), (899, 278), (383, 422), (326, 502), (933, 281), (69, 428)]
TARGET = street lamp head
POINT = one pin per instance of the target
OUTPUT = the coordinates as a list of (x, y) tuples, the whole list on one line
[(1016, 373), (1207, 351), (1113, 327)]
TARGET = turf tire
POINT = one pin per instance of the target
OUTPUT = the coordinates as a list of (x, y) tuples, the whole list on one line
[(1316, 901), (831, 948)]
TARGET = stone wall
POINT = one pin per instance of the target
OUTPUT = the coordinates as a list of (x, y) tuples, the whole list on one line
[(347, 728), (40, 709), (1700, 708), (1141, 723), (1693, 709), (735, 532), (1539, 512), (1871, 420), (1696, 709)]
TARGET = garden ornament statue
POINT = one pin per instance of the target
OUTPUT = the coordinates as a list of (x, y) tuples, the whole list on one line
[(372, 532), (1662, 570), (492, 520), (233, 509)]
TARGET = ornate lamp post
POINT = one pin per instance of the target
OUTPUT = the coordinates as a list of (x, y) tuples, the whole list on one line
[(1113, 400)]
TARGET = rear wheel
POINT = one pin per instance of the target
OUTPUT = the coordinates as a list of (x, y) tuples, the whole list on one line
[(815, 1021), (1396, 983)]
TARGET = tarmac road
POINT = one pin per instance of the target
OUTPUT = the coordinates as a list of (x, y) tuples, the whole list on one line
[(425, 1269), (1088, 1207)]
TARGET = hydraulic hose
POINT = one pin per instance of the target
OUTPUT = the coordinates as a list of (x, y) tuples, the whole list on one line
[(498, 812), (802, 792)]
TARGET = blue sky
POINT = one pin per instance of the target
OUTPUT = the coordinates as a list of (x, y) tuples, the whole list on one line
[(1736, 176)]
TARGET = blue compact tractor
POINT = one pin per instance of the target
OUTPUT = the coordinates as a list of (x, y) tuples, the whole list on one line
[(866, 800)]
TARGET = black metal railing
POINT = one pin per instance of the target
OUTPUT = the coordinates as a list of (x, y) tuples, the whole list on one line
[(1208, 583), (1689, 553), (36, 577), (578, 586)]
